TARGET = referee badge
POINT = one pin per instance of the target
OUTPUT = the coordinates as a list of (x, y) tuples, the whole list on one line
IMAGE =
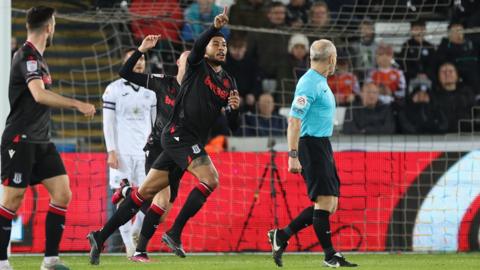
[(299, 104)]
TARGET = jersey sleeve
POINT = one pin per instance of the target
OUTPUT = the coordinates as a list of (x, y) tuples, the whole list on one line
[(128, 74), (303, 99), (109, 98), (30, 67), (109, 124), (153, 110)]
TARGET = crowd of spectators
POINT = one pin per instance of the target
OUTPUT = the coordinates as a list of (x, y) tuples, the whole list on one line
[(418, 88)]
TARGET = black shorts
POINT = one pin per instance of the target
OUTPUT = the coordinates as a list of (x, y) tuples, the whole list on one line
[(153, 150), (319, 171), (26, 163), (179, 153)]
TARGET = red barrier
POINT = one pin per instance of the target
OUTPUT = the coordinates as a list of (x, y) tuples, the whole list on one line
[(372, 184)]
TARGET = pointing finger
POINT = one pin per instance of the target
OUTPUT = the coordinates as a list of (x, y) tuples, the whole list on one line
[(225, 9)]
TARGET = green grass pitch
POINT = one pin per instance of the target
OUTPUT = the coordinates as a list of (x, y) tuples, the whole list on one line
[(451, 261)]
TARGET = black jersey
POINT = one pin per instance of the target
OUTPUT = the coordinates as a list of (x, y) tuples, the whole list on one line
[(165, 87), (28, 120), (203, 94)]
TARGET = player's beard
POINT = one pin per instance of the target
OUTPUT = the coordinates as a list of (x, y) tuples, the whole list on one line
[(49, 41), (215, 62)]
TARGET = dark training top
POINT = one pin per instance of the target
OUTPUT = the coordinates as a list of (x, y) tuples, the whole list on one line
[(28, 120), (202, 96), (165, 87)]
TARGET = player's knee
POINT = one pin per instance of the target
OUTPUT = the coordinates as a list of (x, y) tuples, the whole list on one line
[(14, 201), (211, 180), (161, 202), (62, 198), (147, 192)]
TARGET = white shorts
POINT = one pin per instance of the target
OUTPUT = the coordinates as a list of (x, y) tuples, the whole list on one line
[(129, 167)]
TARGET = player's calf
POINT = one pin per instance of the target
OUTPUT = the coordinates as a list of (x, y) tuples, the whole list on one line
[(124, 213)]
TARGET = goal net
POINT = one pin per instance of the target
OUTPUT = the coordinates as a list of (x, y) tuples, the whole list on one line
[(398, 192)]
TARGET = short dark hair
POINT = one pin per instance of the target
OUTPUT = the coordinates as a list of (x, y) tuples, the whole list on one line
[(454, 23), (320, 3), (237, 42), (219, 34), (274, 5), (38, 17), (419, 22)]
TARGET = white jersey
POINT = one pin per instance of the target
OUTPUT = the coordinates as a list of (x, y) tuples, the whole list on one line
[(129, 112)]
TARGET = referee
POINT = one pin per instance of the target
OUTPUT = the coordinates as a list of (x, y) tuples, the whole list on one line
[(309, 128)]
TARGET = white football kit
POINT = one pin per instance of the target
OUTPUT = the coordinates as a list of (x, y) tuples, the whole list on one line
[(129, 112)]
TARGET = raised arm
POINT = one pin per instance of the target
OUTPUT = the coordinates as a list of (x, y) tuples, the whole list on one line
[(127, 72), (198, 50)]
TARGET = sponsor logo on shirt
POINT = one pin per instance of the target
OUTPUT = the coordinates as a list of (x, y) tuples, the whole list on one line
[(217, 90), (169, 101)]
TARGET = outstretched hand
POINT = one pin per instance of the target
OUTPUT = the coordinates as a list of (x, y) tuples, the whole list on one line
[(149, 42), (221, 19)]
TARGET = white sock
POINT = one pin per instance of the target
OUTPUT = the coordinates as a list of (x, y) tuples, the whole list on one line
[(4, 263), (126, 233), (50, 259), (137, 224)]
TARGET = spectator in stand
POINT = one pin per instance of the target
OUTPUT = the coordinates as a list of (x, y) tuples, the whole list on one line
[(296, 64), (369, 116), (265, 122), (241, 66), (13, 45), (168, 26), (319, 20), (167, 22), (249, 13), (363, 51), (421, 115), (390, 80), (198, 16), (344, 83), (269, 48), (297, 11), (454, 98), (416, 55), (463, 53)]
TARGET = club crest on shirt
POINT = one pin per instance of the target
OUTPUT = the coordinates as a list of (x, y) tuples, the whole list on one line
[(32, 65), (146, 95)]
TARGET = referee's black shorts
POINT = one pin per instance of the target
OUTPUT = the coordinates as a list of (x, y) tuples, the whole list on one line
[(319, 171)]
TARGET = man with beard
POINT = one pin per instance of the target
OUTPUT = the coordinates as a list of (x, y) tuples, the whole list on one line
[(205, 91), (28, 156)]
